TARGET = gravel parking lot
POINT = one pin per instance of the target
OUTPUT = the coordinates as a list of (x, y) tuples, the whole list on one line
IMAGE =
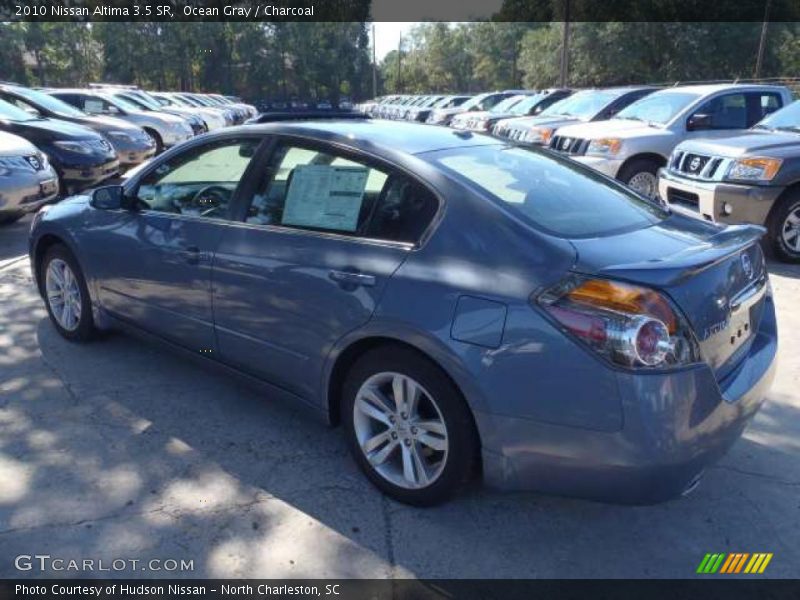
[(119, 449)]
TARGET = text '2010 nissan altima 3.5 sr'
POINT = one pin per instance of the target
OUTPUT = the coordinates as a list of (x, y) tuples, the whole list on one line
[(453, 301)]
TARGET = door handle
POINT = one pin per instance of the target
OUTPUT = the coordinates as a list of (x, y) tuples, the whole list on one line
[(352, 278), (193, 255)]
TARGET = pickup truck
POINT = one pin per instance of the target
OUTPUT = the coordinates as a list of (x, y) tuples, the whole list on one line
[(635, 144), (752, 178)]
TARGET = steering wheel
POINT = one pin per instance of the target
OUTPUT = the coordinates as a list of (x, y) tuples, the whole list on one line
[(209, 199)]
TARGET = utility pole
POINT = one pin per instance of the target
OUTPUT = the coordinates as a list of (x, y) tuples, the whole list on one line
[(562, 80), (399, 61), (762, 42), (374, 67)]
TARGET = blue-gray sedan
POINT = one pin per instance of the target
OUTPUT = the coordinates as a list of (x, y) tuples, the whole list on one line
[(457, 303)]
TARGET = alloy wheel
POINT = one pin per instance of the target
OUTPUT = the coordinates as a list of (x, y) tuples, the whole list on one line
[(63, 294), (791, 230), (645, 183), (400, 430)]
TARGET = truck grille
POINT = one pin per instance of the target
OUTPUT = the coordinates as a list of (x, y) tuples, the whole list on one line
[(698, 166), (569, 145)]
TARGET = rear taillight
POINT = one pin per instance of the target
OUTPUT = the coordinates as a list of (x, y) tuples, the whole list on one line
[(628, 324)]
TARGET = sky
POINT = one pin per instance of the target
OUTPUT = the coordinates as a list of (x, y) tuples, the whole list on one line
[(387, 35)]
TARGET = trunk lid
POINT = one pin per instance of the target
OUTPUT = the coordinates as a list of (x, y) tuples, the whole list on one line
[(716, 276)]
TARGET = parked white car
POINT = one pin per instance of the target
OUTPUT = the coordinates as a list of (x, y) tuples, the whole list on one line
[(634, 145), (166, 130)]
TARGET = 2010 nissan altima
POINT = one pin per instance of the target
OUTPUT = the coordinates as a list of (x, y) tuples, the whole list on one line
[(458, 304)]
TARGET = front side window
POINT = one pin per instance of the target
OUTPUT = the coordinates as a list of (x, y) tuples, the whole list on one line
[(200, 182), (550, 193), (726, 112), (321, 191), (658, 108)]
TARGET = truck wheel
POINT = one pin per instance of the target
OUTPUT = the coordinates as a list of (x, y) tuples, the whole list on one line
[(784, 228), (408, 426), (641, 175)]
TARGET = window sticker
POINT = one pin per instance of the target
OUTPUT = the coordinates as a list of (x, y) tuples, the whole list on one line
[(325, 197)]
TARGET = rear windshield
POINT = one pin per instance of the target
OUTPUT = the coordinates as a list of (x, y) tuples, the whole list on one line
[(550, 192)]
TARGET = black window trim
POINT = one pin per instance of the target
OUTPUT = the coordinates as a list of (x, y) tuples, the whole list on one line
[(276, 140), (132, 187)]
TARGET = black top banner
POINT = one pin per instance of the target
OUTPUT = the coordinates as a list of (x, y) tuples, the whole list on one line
[(401, 10)]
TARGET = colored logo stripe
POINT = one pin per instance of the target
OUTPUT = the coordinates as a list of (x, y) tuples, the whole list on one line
[(734, 562)]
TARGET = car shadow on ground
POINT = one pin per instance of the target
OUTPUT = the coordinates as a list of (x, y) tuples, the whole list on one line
[(120, 449)]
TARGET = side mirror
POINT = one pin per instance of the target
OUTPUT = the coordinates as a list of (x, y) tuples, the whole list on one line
[(698, 122), (109, 197)]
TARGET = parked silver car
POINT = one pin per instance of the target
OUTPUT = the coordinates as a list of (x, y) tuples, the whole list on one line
[(26, 178), (166, 130), (639, 140), (213, 118)]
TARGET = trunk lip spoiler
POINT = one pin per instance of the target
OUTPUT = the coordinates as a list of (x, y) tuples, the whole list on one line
[(688, 262)]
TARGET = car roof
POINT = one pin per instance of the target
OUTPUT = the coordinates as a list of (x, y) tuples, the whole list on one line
[(368, 134), (710, 88)]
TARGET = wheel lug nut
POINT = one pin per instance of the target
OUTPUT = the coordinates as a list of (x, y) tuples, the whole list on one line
[(414, 430), (403, 415), (391, 419), (394, 435), (407, 442)]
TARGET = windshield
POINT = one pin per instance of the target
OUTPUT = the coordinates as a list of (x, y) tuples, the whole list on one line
[(122, 103), (49, 102), (141, 99), (474, 101), (658, 108), (787, 118), (12, 113), (583, 105), (505, 105), (526, 105), (549, 192)]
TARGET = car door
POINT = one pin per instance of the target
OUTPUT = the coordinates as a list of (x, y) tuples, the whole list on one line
[(154, 262), (318, 242), (733, 112)]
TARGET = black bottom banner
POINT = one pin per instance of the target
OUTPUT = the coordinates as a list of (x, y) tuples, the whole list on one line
[(403, 589)]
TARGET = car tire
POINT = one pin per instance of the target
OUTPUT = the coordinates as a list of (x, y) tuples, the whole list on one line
[(74, 325), (784, 228), (428, 453), (9, 218), (156, 138), (641, 174)]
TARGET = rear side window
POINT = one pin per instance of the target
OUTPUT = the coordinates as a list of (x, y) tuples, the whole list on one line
[(321, 191), (552, 194)]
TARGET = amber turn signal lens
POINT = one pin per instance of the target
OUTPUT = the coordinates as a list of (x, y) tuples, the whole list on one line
[(626, 298)]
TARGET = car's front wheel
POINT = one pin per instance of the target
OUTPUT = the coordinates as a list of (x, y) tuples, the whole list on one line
[(641, 175), (408, 426), (66, 295), (784, 228)]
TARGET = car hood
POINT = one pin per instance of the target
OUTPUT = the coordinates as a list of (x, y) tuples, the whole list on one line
[(776, 144), (51, 129), (13, 145), (620, 128), (552, 121), (101, 123)]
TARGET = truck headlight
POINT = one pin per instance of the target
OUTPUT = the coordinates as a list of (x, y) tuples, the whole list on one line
[(755, 168), (604, 146), (540, 135), (78, 147)]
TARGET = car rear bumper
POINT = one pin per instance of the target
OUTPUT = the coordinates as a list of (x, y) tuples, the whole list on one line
[(708, 200), (675, 425)]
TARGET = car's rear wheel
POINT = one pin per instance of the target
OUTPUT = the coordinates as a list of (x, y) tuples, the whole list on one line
[(66, 295), (408, 426), (784, 228), (641, 175)]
